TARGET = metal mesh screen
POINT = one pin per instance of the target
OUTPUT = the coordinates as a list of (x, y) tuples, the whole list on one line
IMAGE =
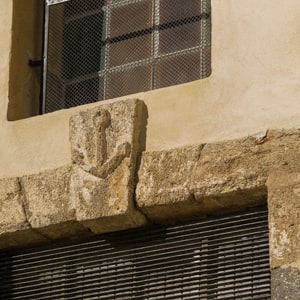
[(220, 258), (100, 49)]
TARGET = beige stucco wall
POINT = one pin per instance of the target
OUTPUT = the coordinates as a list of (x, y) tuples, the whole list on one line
[(255, 84)]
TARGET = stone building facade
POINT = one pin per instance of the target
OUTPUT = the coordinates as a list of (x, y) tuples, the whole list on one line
[(224, 143)]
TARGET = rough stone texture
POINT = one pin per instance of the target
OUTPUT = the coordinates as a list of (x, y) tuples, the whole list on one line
[(226, 176), (103, 136), (12, 215), (240, 167), (96, 193), (104, 205), (163, 183), (105, 144), (285, 284), (14, 229), (48, 203), (284, 217)]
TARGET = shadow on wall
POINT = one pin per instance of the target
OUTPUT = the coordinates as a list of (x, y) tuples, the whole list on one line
[(24, 80)]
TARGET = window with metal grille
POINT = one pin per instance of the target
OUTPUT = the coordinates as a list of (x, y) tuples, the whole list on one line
[(102, 49), (218, 258)]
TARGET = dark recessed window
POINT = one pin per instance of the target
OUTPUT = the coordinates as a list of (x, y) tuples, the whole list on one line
[(218, 258), (101, 49)]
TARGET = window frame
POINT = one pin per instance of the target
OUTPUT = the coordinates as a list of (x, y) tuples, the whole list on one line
[(107, 72)]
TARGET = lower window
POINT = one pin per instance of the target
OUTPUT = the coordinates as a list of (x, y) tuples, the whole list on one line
[(218, 258)]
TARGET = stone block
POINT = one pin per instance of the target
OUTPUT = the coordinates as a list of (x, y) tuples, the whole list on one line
[(226, 176), (12, 214), (48, 205), (236, 171), (101, 137), (15, 231), (284, 217), (285, 284), (105, 205), (163, 187), (105, 142)]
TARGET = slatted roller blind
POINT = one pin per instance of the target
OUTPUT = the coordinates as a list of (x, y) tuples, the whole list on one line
[(220, 258)]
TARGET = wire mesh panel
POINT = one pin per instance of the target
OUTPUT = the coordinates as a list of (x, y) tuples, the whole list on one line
[(100, 49), (220, 258)]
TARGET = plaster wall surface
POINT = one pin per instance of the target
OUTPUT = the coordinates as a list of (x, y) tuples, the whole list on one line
[(255, 85)]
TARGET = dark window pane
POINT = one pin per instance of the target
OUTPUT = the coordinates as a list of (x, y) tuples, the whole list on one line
[(175, 10), (83, 46), (180, 37), (55, 40), (130, 18), (180, 25), (178, 69), (129, 81), (130, 50), (84, 92), (54, 92)]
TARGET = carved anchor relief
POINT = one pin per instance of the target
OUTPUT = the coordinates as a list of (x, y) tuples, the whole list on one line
[(104, 165)]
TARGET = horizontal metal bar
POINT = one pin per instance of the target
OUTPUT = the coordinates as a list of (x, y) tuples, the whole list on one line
[(53, 2)]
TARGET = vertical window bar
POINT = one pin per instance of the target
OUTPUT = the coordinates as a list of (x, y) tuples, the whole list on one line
[(205, 66), (46, 35), (156, 21), (48, 4), (107, 18)]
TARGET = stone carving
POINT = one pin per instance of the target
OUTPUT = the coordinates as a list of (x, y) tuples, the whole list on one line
[(95, 146), (104, 148)]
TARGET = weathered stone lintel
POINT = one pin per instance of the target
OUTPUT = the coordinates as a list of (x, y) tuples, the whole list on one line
[(181, 183), (213, 178)]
